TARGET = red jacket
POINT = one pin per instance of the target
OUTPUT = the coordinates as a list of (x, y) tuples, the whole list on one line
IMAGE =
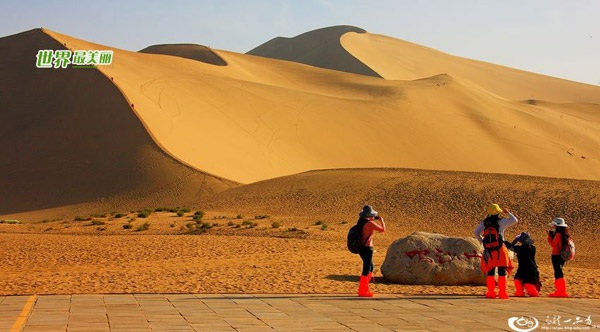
[(556, 243), (367, 232)]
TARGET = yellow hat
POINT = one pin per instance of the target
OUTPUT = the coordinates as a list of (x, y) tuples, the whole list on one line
[(494, 209)]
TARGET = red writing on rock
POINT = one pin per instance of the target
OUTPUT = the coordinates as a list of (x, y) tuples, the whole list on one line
[(440, 256)]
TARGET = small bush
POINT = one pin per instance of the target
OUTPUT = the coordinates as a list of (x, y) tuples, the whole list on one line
[(264, 216), (230, 223), (119, 215), (186, 210), (10, 221), (198, 215), (292, 229), (246, 223), (323, 227), (239, 216), (143, 227), (145, 213), (99, 215), (80, 218), (276, 225), (172, 225), (173, 210), (161, 209), (127, 226), (319, 222), (180, 213), (190, 226), (206, 225), (97, 222)]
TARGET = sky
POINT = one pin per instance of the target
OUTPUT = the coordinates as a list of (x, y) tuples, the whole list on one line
[(552, 37)]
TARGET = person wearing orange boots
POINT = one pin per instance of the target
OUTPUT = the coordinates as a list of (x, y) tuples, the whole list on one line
[(558, 238), (527, 275), (490, 233), (366, 220)]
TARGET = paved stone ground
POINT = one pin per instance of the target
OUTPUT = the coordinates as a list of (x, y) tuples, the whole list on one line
[(205, 312)]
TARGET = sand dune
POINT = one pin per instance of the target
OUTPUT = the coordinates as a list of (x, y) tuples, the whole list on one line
[(69, 137), (188, 51), (319, 48), (260, 118), (396, 59)]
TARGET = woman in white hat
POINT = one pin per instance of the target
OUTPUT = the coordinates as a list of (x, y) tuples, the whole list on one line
[(558, 238)]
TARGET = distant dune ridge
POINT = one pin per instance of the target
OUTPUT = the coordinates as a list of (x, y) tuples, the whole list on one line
[(319, 48), (188, 51), (70, 136)]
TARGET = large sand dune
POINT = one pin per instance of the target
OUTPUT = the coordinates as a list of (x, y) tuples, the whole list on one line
[(188, 51), (69, 137), (319, 48), (396, 59), (260, 118)]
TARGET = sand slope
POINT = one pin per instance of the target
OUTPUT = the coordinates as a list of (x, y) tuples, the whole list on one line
[(319, 48), (188, 51), (260, 118), (396, 59), (69, 137)]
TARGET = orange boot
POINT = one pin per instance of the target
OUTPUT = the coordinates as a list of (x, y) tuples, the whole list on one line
[(519, 288), (531, 290), (502, 288), (363, 287), (491, 286), (561, 288)]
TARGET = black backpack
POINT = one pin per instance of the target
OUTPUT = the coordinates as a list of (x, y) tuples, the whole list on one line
[(354, 242), (492, 239)]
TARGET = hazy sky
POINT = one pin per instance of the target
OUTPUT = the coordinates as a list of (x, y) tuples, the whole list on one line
[(558, 38)]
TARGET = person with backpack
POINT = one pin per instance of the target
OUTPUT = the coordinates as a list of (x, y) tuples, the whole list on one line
[(527, 274), (490, 233), (360, 241), (563, 249)]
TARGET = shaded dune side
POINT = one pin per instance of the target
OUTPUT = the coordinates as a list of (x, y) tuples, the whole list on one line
[(67, 136), (189, 51), (319, 48)]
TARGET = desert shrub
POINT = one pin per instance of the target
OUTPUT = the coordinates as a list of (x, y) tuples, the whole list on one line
[(319, 222), (198, 215), (180, 213), (119, 215), (145, 213), (173, 210), (246, 223), (292, 229), (143, 227), (80, 218), (190, 225), (10, 221), (161, 209), (206, 225), (172, 225), (185, 209), (239, 216), (323, 227), (127, 226), (230, 223), (264, 216), (99, 215), (97, 222), (275, 225)]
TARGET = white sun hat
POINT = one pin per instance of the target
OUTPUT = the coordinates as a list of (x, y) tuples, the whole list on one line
[(560, 222)]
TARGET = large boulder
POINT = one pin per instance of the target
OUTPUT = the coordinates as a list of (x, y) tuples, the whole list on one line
[(434, 259)]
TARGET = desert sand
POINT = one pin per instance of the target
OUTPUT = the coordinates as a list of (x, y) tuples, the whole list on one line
[(234, 256), (268, 147)]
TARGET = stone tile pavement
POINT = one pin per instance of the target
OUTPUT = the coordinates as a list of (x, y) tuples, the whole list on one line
[(235, 312)]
